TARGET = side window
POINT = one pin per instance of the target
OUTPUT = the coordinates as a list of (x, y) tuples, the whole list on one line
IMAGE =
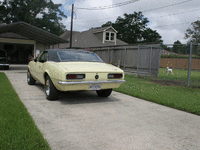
[(43, 57)]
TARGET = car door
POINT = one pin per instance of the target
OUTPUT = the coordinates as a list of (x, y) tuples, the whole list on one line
[(40, 66)]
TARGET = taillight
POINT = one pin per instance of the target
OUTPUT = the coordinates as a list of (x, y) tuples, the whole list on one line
[(75, 76), (114, 76)]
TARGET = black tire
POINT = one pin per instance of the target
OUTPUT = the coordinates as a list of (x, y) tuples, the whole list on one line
[(30, 79), (50, 90), (6, 67), (104, 93)]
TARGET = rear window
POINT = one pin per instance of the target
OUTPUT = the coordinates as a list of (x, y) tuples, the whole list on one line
[(67, 56), (2, 54)]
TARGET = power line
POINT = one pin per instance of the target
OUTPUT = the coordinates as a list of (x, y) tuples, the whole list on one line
[(110, 6), (168, 5), (178, 13), (173, 24), (147, 11), (129, 2)]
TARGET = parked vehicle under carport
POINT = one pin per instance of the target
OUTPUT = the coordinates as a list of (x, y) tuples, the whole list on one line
[(4, 60)]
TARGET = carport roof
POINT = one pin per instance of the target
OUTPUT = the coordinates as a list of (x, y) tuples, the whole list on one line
[(32, 33)]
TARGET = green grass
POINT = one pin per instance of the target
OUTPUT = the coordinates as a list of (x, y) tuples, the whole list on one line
[(17, 128), (182, 98), (180, 75)]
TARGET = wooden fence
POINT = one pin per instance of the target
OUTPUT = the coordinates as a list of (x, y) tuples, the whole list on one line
[(143, 58), (180, 63)]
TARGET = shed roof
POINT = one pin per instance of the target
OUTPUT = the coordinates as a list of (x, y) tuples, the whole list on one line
[(96, 30), (88, 38), (32, 33)]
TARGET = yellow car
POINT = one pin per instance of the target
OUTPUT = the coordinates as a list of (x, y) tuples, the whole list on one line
[(73, 70)]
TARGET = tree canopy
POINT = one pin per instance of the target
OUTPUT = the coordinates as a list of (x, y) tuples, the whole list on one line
[(193, 33), (132, 28), (178, 48), (40, 13)]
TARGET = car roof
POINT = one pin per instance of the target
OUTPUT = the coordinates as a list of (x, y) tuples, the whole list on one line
[(57, 50), (52, 53)]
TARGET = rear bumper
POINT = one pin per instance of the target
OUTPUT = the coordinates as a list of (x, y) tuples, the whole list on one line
[(4, 64), (90, 82)]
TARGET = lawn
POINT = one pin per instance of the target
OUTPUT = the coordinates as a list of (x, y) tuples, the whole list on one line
[(180, 75), (182, 98), (17, 128)]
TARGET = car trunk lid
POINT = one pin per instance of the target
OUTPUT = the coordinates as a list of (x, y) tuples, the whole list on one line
[(88, 67)]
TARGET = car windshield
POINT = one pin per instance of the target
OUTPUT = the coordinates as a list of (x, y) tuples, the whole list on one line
[(2, 54), (80, 56)]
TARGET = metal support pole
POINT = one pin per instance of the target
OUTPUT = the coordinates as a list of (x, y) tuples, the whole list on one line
[(159, 62), (108, 55), (124, 57), (150, 59), (138, 60), (70, 46), (189, 65)]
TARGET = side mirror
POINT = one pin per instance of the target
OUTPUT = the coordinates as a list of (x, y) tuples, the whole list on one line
[(35, 60)]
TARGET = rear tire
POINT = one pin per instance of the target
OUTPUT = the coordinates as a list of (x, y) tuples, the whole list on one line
[(50, 90), (30, 79), (104, 93)]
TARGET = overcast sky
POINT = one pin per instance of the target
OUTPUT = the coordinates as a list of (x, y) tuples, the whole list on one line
[(170, 18)]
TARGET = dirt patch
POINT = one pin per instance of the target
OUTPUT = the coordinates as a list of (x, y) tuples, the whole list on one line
[(180, 83), (168, 82)]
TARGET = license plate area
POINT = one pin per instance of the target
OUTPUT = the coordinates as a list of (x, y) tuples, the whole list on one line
[(95, 87)]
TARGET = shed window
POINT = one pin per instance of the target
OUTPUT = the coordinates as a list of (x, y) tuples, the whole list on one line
[(107, 36), (110, 36)]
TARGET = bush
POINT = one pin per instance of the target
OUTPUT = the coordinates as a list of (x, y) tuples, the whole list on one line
[(178, 56)]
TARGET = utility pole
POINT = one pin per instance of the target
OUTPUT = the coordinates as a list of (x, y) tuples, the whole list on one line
[(70, 46)]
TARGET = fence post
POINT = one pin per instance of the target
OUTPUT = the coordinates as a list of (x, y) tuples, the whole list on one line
[(189, 65), (150, 60), (138, 60), (159, 62), (124, 56), (108, 55)]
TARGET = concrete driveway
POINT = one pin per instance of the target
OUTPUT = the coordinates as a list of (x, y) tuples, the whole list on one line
[(84, 121)]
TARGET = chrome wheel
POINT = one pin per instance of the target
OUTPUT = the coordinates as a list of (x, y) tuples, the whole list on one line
[(30, 79), (28, 76), (47, 87), (50, 90)]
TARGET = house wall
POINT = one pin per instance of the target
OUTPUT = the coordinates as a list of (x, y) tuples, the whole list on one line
[(19, 41), (41, 47)]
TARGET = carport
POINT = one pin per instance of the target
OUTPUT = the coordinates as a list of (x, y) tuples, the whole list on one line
[(22, 40)]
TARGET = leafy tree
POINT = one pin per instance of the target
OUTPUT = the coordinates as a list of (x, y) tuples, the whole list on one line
[(150, 35), (40, 13), (177, 47), (132, 28), (193, 34), (164, 47)]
